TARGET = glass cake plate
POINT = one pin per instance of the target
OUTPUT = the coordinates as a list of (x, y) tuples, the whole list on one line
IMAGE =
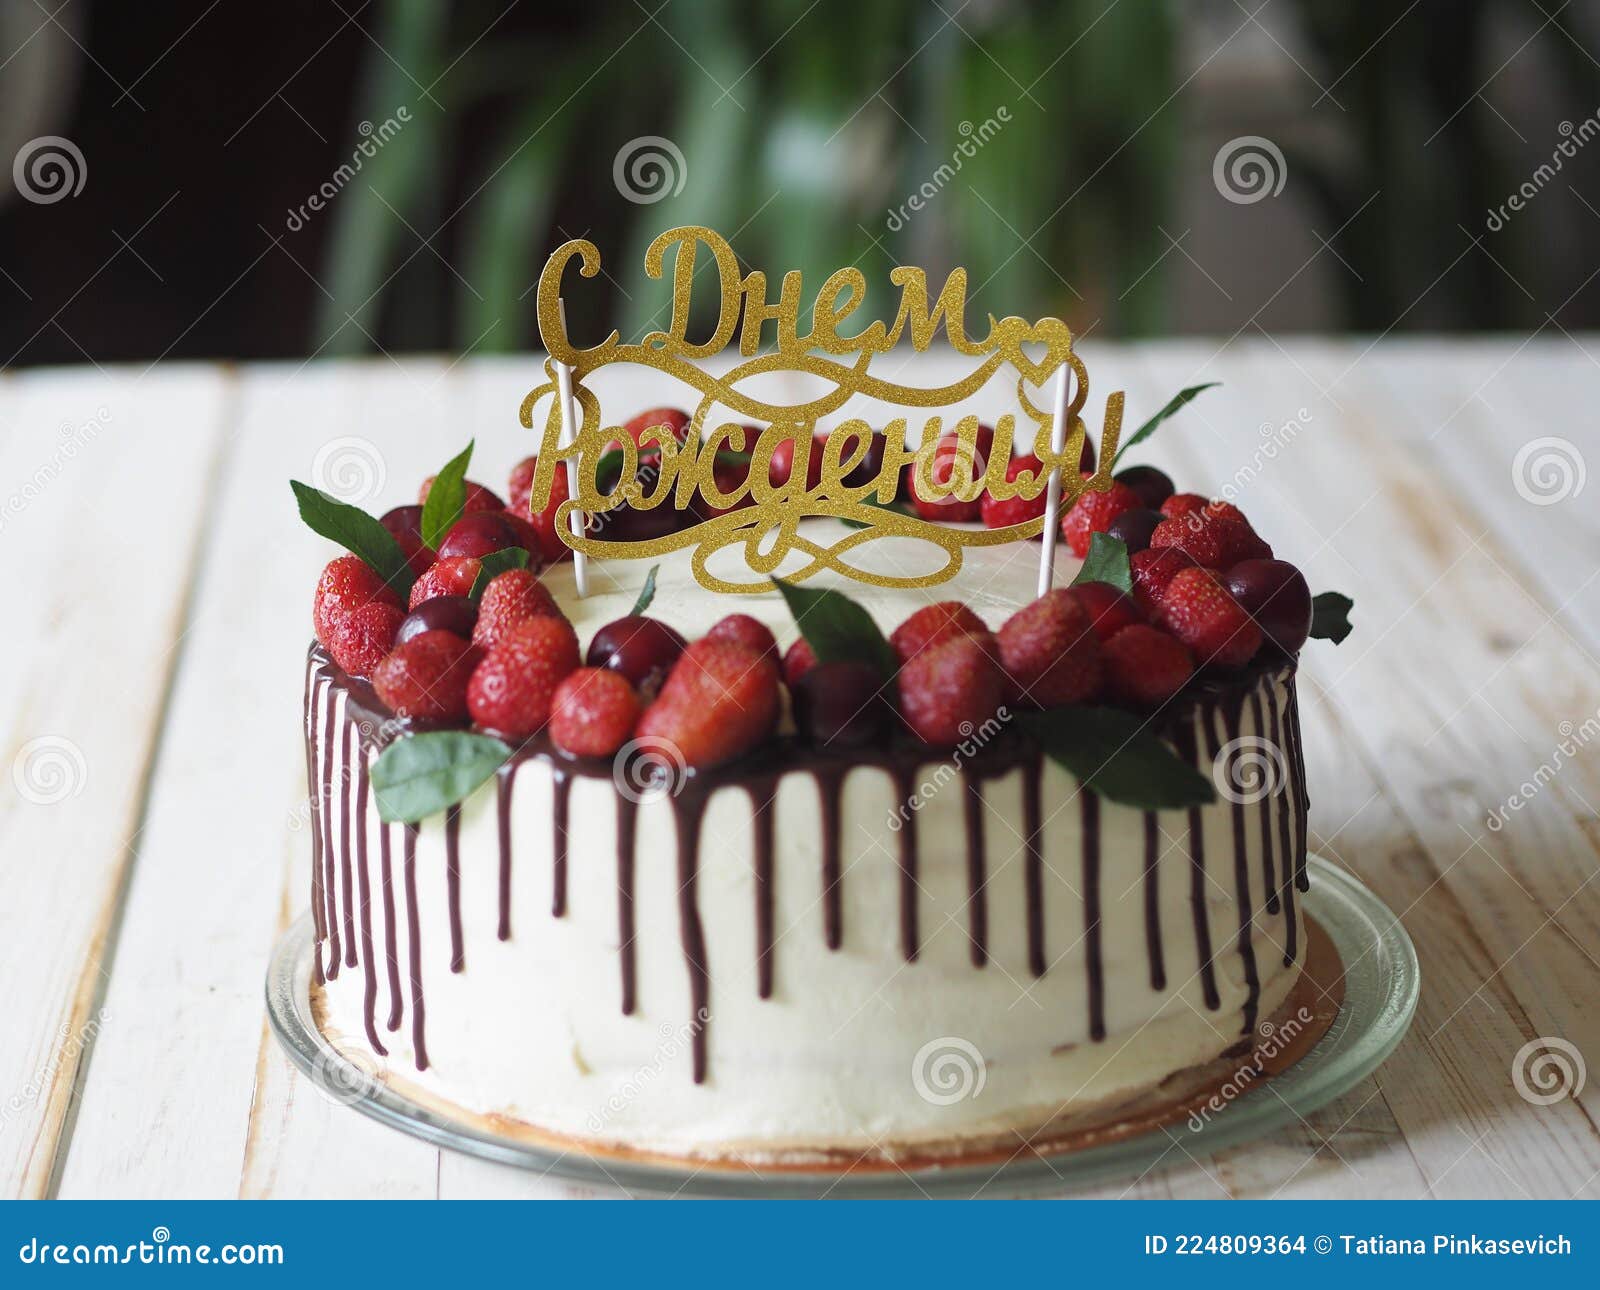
[(1380, 995)]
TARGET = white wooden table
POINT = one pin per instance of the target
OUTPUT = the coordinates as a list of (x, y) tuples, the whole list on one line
[(157, 602)]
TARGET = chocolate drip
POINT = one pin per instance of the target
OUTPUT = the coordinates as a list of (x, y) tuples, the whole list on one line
[(1033, 866), (1197, 879), (502, 814), (413, 928), (314, 693), (369, 999), (329, 880), (1270, 881), (830, 786), (391, 934), (907, 860), (1094, 963), (627, 812), (1298, 756), (694, 940), (561, 791), (1231, 713), (1285, 846), (977, 871), (452, 879), (761, 804), (1152, 901), (344, 846)]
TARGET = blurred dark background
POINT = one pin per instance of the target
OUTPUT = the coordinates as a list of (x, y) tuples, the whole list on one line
[(1137, 168)]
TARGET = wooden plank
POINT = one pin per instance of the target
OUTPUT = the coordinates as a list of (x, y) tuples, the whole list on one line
[(106, 477)]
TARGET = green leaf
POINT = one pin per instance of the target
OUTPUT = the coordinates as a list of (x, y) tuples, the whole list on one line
[(447, 498), (357, 532), (647, 593), (494, 564), (1115, 753), (1176, 402), (420, 775), (1330, 616), (836, 628), (1107, 562), (896, 506)]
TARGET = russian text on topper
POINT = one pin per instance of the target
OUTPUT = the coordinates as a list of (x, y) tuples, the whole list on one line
[(768, 525)]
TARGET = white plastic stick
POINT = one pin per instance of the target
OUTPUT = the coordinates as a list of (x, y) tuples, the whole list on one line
[(569, 431), (1052, 489)]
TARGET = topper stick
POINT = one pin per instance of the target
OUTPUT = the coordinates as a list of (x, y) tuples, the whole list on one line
[(569, 431), (1052, 489)]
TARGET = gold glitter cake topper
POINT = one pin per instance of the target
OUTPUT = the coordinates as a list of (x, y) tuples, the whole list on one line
[(765, 517)]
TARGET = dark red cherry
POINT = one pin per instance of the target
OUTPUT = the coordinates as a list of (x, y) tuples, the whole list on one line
[(1133, 528), (642, 649), (841, 705), (455, 614), (481, 533), (870, 465), (1275, 594), (1153, 486), (1086, 461), (782, 463), (405, 524)]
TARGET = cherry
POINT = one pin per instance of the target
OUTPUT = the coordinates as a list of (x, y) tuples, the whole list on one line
[(1275, 594), (641, 649), (870, 465), (405, 525), (483, 532), (782, 463), (457, 615), (1133, 528), (1153, 486), (841, 704)]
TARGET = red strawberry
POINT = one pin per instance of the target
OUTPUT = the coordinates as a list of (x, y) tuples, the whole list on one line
[(1198, 610), (510, 599), (1153, 570), (346, 584), (932, 624), (741, 629), (478, 499), (1146, 667), (1192, 534), (730, 476), (798, 659), (1235, 534), (719, 702), (950, 510), (1182, 504), (551, 547), (1109, 610), (449, 577), (512, 689), (427, 677), (1093, 512), (999, 515), (1050, 650), (593, 712), (364, 636), (675, 421), (949, 691)]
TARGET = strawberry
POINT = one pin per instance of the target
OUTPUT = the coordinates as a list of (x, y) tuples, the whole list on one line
[(1146, 667), (741, 629), (998, 514), (1217, 536), (551, 547), (453, 576), (512, 689), (949, 509), (720, 701), (478, 497), (593, 712), (1050, 650), (1093, 512), (1235, 534), (798, 659), (676, 421), (1182, 504), (1153, 570), (362, 637), (932, 624), (1198, 610), (510, 599), (346, 584), (948, 691), (730, 476), (1109, 610), (427, 677)]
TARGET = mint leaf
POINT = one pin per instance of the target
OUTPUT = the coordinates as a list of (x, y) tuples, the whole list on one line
[(494, 564), (420, 775), (1176, 402), (897, 506), (647, 593), (837, 629), (447, 498), (1115, 754), (1107, 562), (357, 532), (1330, 616)]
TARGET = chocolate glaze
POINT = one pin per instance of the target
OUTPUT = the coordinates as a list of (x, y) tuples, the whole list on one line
[(759, 776), (314, 691), (345, 864)]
